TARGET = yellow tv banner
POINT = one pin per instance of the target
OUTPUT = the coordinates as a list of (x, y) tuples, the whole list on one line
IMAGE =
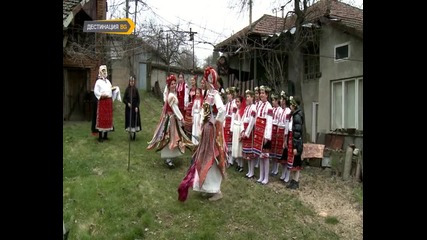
[(113, 26)]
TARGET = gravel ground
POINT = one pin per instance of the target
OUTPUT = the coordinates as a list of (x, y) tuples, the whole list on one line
[(330, 196)]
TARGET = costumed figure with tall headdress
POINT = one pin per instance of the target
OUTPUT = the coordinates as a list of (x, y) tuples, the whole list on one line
[(209, 159)]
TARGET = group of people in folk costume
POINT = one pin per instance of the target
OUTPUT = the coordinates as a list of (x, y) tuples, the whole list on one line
[(245, 128), (272, 132), (104, 95)]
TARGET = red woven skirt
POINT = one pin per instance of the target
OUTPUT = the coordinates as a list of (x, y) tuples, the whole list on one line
[(104, 116)]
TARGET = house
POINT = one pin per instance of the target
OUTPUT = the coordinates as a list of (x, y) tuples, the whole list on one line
[(83, 53), (329, 68)]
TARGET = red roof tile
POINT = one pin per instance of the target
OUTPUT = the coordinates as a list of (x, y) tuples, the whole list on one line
[(347, 16)]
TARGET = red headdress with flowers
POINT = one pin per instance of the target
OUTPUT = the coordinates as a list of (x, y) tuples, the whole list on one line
[(169, 79), (211, 77)]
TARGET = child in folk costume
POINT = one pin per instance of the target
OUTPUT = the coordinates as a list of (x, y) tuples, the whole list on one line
[(257, 102), (236, 129), (195, 113), (275, 136), (284, 122), (229, 106), (247, 136), (297, 146), (262, 135)]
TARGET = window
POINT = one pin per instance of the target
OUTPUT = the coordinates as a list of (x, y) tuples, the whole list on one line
[(311, 67), (347, 104), (342, 51)]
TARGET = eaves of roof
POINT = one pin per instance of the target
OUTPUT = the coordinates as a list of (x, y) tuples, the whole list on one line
[(341, 15), (70, 8)]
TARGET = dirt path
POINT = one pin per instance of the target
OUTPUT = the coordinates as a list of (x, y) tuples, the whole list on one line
[(332, 197)]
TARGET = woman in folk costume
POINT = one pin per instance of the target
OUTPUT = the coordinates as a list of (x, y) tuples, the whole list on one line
[(236, 129), (262, 134), (209, 159), (247, 136), (132, 115), (284, 123), (228, 135), (195, 114), (104, 115), (182, 93), (275, 139), (169, 138), (297, 146), (188, 117)]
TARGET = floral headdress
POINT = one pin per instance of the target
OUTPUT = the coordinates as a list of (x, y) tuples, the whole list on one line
[(211, 77)]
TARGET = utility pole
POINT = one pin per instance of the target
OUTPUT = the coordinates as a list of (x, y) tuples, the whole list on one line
[(192, 39), (177, 31), (136, 9), (250, 12), (167, 52), (127, 8)]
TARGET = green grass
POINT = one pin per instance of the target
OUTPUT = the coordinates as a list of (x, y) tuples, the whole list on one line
[(331, 220), (102, 199)]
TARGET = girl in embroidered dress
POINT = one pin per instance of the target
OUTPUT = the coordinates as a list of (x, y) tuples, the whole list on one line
[(237, 128), (195, 113), (277, 112), (229, 106), (247, 135), (262, 138), (284, 121)]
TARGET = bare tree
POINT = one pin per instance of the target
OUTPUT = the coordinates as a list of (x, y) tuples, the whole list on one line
[(301, 40), (170, 43)]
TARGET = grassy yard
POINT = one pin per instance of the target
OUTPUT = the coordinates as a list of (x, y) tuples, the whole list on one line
[(119, 190)]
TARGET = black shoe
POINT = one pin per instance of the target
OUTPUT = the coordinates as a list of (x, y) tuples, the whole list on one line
[(240, 169), (290, 184), (237, 168), (105, 136), (170, 163), (295, 185), (100, 140)]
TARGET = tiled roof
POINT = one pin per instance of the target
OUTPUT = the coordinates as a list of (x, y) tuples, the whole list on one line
[(69, 8), (346, 16)]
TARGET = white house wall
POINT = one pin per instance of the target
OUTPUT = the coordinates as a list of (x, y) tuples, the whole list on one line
[(309, 94), (332, 70)]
